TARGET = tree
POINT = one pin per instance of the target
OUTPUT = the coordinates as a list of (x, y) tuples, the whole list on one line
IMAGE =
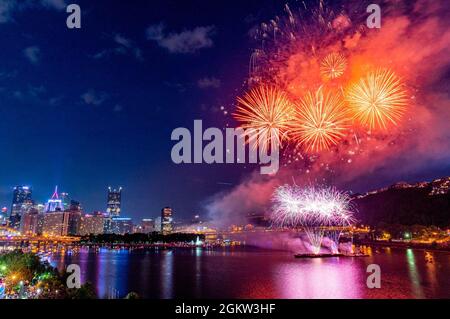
[(86, 291), (132, 295)]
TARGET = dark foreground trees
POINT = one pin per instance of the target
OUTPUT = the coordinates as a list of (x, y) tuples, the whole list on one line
[(25, 276)]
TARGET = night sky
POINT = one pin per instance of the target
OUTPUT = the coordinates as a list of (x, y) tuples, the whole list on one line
[(91, 108)]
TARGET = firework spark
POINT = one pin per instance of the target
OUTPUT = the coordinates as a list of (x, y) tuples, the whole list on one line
[(317, 210), (321, 120), (265, 108), (377, 100), (333, 66)]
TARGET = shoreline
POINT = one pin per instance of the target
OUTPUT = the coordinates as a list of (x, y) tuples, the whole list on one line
[(402, 245)]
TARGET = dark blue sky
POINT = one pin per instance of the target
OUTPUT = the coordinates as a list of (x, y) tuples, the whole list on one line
[(94, 107), (89, 108)]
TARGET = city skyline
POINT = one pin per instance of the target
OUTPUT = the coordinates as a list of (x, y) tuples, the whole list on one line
[(69, 118), (62, 201)]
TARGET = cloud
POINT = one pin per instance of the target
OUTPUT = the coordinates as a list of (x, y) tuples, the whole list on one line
[(33, 54), (93, 97), (5, 75), (6, 9), (32, 94), (125, 46), (252, 195), (122, 41), (155, 32), (187, 41), (9, 7), (118, 108), (36, 90), (206, 83), (54, 4), (56, 100)]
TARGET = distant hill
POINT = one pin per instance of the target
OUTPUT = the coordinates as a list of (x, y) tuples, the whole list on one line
[(425, 203)]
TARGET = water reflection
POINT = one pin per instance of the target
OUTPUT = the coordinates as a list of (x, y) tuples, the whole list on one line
[(198, 270), (431, 271), (166, 274), (414, 273), (198, 273), (318, 278)]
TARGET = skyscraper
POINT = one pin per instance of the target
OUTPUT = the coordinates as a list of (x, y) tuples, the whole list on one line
[(21, 203), (92, 224), (3, 216), (166, 220), (55, 224), (29, 223), (113, 204), (54, 204), (158, 224), (147, 225), (121, 225), (74, 212), (65, 198)]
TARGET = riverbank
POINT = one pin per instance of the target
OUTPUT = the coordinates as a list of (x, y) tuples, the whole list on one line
[(390, 244)]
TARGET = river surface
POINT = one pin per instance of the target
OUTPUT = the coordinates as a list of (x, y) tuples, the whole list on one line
[(255, 273)]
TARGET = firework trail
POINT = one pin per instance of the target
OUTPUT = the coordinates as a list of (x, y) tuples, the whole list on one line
[(333, 66), (341, 99), (377, 99), (316, 210), (265, 108), (321, 120)]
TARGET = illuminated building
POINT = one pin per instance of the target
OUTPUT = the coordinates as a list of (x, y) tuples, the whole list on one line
[(21, 203), (121, 225), (74, 212), (196, 220), (166, 220), (55, 224), (107, 224), (29, 224), (65, 199), (3, 216), (114, 200), (147, 225), (158, 224), (91, 224), (54, 204), (40, 208)]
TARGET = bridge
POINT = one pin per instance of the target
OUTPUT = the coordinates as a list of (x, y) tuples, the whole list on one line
[(10, 235)]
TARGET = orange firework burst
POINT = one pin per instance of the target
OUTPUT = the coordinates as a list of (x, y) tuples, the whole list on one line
[(320, 121), (377, 99), (265, 108), (333, 66)]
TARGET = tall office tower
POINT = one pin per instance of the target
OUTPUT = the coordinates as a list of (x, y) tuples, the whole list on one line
[(113, 204), (74, 215), (65, 198), (29, 223), (54, 204), (158, 224), (92, 224), (147, 225), (3, 216), (121, 225), (55, 223), (166, 220), (21, 203), (75, 206)]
